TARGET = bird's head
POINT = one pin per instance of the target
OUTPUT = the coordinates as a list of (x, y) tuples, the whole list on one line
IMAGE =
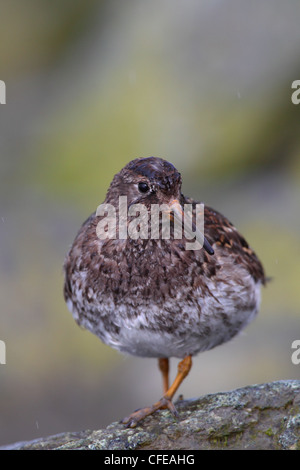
[(151, 181), (148, 181)]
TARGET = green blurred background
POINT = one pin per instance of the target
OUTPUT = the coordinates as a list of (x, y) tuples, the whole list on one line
[(90, 86)]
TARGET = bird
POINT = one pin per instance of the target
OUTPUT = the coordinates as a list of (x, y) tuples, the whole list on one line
[(151, 296)]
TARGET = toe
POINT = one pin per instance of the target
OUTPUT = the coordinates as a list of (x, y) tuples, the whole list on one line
[(164, 403)]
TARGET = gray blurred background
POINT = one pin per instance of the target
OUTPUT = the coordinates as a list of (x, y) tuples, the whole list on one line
[(90, 86)]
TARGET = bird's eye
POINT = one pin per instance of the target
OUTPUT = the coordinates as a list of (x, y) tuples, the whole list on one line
[(143, 187)]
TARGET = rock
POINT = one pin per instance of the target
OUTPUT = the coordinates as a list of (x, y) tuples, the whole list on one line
[(263, 416)]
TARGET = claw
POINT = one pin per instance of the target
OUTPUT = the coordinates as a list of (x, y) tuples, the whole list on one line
[(138, 415), (130, 423), (173, 410)]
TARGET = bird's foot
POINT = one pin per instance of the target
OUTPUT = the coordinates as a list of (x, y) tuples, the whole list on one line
[(137, 416)]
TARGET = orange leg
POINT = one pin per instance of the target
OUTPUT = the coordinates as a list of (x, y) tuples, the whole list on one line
[(163, 364), (166, 401)]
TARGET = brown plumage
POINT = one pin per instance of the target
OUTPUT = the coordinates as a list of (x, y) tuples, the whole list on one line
[(153, 297)]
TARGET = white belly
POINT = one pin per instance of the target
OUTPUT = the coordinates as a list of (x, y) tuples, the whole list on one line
[(208, 322)]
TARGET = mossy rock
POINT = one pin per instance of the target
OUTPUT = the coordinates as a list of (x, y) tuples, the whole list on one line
[(263, 416)]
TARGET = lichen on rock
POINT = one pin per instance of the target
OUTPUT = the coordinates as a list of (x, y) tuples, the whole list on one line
[(263, 416)]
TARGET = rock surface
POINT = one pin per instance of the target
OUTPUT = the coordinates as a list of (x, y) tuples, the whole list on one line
[(263, 416)]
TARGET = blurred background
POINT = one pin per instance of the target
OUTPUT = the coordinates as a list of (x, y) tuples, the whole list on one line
[(90, 85)]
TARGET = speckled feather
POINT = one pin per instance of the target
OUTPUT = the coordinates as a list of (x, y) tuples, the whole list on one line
[(153, 297)]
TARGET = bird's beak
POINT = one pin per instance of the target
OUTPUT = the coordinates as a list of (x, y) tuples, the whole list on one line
[(191, 231)]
